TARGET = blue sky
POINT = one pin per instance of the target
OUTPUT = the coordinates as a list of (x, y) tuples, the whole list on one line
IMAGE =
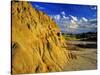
[(71, 18)]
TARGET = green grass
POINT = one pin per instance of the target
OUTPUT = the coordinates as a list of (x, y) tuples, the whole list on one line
[(69, 37)]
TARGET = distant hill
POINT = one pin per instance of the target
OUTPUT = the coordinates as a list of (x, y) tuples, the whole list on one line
[(89, 36), (37, 44)]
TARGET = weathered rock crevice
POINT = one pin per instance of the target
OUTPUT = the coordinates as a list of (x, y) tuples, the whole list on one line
[(42, 47)]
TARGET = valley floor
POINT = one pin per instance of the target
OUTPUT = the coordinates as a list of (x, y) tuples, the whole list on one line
[(86, 56)]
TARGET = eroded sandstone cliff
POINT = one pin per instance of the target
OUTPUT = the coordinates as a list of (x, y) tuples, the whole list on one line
[(37, 44)]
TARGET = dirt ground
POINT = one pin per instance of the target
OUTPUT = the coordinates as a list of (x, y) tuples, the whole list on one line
[(86, 56)]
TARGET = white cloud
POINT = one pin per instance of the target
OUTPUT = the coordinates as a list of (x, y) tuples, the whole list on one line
[(74, 18), (57, 17), (63, 13), (94, 8), (90, 24), (39, 7), (65, 17), (73, 24), (84, 19)]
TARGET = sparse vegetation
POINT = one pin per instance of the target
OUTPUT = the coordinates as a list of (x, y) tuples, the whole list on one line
[(89, 36)]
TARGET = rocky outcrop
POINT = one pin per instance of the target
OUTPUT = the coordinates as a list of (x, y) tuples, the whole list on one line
[(37, 44)]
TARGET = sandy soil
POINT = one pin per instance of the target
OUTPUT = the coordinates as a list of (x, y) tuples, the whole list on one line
[(86, 56)]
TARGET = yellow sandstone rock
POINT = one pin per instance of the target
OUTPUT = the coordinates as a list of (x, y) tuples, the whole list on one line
[(37, 44)]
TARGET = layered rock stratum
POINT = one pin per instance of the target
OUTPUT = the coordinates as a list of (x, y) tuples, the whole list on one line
[(37, 44)]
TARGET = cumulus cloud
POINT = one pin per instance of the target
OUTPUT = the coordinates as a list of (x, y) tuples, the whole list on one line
[(74, 18), (63, 13), (89, 25), (65, 17), (72, 24), (57, 17), (84, 19), (82, 25), (61, 16)]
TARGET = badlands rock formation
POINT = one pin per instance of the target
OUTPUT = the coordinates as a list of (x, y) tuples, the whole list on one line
[(37, 44)]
